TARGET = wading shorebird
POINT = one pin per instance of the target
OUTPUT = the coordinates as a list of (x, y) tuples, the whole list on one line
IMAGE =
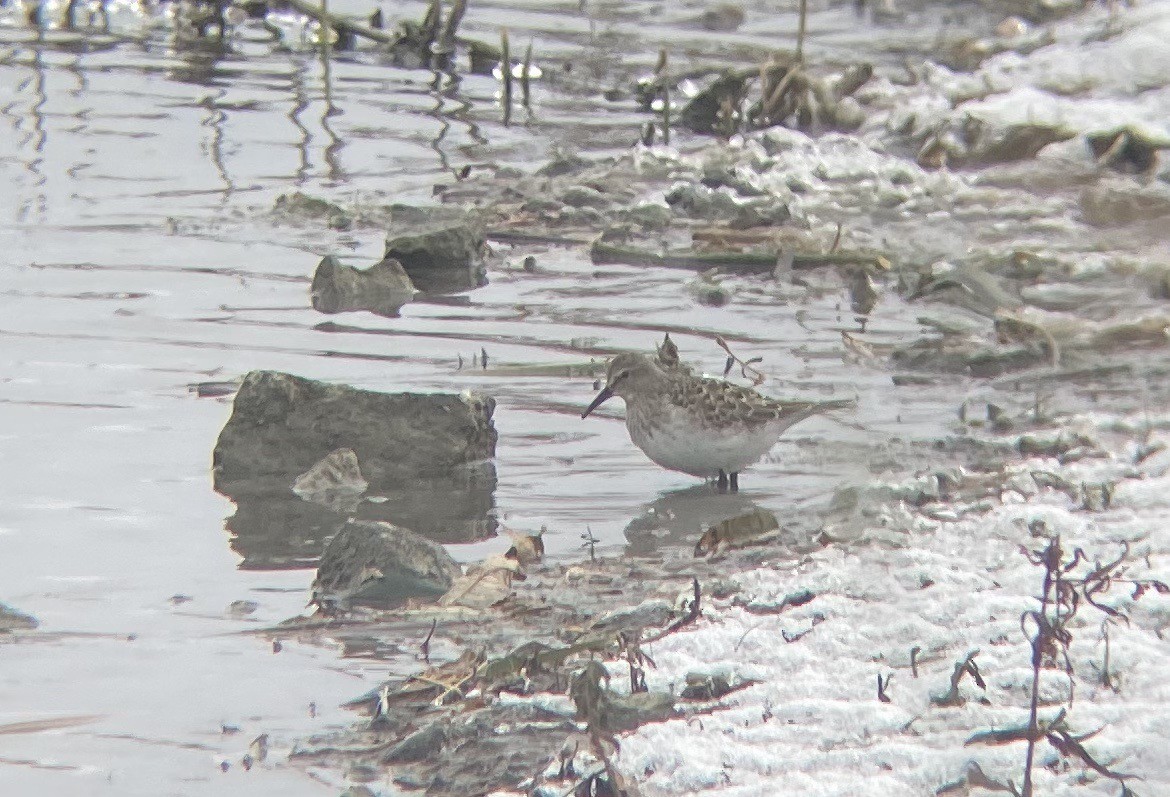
[(706, 427)]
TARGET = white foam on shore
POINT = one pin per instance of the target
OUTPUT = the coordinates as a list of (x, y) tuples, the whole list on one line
[(814, 726)]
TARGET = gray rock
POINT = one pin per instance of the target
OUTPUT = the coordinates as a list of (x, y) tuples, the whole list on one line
[(13, 620), (705, 686), (281, 425), (425, 458), (441, 259), (582, 196), (563, 164), (338, 472), (418, 745), (383, 288), (649, 215), (381, 564), (300, 207), (702, 114), (770, 213)]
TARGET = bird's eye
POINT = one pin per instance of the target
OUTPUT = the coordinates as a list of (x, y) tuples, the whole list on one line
[(621, 375)]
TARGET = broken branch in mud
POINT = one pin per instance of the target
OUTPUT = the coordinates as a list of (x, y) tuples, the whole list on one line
[(603, 252)]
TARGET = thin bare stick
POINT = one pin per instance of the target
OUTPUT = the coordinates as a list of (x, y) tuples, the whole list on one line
[(426, 643), (745, 366), (525, 87), (506, 70), (664, 82)]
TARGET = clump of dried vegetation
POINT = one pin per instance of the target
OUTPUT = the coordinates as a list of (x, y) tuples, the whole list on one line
[(1071, 582)]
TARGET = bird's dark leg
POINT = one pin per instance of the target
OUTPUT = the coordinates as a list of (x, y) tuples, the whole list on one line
[(734, 480), (722, 483)]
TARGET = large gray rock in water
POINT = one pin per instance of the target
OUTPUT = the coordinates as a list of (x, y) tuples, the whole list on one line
[(381, 564), (425, 458), (282, 425), (382, 288), (441, 259)]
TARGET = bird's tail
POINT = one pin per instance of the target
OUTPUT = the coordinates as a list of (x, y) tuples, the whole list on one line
[(798, 411), (835, 404)]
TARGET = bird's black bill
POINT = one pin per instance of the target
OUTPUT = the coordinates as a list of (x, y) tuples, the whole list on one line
[(605, 395)]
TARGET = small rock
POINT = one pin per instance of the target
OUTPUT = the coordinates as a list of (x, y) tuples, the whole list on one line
[(701, 686), (770, 213), (649, 215), (242, 608), (582, 196), (417, 746), (380, 564), (258, 749), (751, 528), (848, 115), (707, 290), (703, 114), (1127, 149), (13, 620), (302, 206), (338, 472), (723, 17), (652, 613), (987, 144), (441, 259), (563, 164), (383, 288)]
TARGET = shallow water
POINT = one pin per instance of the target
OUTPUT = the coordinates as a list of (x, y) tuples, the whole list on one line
[(139, 259)]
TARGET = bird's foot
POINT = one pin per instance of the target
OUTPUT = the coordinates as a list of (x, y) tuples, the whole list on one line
[(721, 484), (733, 481)]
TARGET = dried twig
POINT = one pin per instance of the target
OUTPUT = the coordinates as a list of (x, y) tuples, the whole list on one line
[(506, 75), (962, 669), (745, 366), (836, 239), (800, 31), (694, 610), (1062, 594), (426, 643)]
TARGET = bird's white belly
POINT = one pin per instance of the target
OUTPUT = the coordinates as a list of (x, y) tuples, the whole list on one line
[(698, 449)]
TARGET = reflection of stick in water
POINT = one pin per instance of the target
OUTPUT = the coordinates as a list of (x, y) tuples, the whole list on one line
[(300, 103), (215, 121), (525, 69)]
